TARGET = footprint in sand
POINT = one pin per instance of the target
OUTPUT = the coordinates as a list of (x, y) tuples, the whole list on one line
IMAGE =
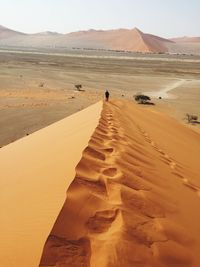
[(172, 165), (94, 153), (185, 180), (187, 183), (178, 175), (147, 138), (114, 130), (102, 221), (193, 187), (153, 144), (120, 141), (110, 123), (109, 116), (161, 152), (166, 158), (112, 171), (108, 150)]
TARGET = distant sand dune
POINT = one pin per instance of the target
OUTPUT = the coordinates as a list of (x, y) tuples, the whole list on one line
[(118, 39), (135, 197)]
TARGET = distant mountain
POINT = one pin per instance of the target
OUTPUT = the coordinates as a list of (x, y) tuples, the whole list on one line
[(7, 33), (47, 33), (119, 39), (185, 45), (186, 39)]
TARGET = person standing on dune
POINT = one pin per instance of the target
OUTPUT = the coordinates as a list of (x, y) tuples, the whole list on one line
[(107, 94)]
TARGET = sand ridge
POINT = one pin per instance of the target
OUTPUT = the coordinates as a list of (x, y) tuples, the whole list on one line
[(35, 172), (135, 197)]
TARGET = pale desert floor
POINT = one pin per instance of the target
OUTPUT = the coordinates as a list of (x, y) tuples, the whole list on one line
[(25, 106)]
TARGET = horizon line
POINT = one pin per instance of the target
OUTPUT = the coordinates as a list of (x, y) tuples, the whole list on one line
[(94, 29)]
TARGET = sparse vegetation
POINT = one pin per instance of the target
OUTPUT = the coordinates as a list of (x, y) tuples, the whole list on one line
[(191, 118), (142, 99), (41, 84), (78, 87)]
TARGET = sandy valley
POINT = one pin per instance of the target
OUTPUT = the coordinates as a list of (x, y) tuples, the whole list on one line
[(37, 89)]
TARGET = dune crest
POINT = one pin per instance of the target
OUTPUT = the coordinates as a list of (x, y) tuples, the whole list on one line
[(135, 197), (34, 174)]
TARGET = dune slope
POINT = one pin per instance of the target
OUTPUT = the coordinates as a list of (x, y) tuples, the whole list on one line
[(6, 33), (121, 39), (135, 199), (34, 174)]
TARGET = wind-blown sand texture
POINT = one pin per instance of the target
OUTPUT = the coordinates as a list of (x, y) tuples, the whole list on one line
[(34, 174), (135, 197)]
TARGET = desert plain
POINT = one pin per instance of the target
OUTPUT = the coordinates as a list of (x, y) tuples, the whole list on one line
[(37, 87)]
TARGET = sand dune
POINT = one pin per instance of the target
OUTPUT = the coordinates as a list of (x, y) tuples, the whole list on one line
[(119, 39), (34, 174), (6, 33), (135, 197)]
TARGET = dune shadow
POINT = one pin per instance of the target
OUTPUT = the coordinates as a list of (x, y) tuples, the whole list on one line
[(147, 103), (195, 122)]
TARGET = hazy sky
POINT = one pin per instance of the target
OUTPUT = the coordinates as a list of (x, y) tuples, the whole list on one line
[(167, 18)]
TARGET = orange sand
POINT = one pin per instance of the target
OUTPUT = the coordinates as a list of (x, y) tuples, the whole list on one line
[(34, 174), (135, 199)]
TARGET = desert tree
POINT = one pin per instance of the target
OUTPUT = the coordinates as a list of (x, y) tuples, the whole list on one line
[(191, 118), (78, 87), (142, 99)]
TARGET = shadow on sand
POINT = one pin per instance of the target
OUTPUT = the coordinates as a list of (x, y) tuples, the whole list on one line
[(195, 122), (147, 103)]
